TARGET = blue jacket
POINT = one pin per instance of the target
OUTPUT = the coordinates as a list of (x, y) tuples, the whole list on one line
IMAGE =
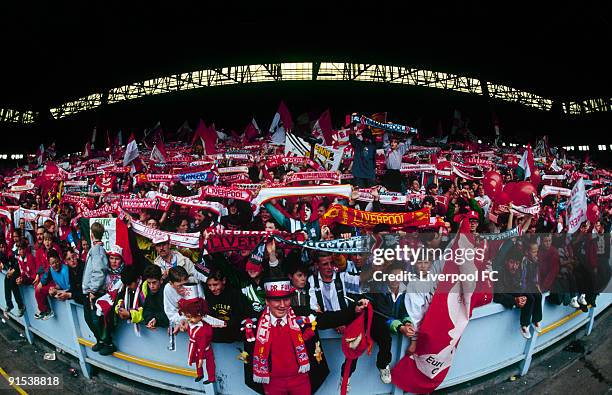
[(96, 268)]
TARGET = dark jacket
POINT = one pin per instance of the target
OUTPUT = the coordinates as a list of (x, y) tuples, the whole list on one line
[(231, 306), (364, 165), (76, 283), (154, 308)]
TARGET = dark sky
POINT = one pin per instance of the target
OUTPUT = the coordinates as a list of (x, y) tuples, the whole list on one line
[(57, 51)]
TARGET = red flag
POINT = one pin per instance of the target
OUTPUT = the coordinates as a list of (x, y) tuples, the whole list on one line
[(251, 132), (446, 319), (285, 116), (324, 126), (207, 136)]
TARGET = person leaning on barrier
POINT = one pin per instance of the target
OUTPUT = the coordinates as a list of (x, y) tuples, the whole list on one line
[(390, 318), (94, 279), (227, 304), (178, 288), (10, 266), (153, 313), (75, 273), (517, 287)]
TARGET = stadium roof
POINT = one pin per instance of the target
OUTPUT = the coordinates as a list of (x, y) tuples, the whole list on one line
[(58, 52)]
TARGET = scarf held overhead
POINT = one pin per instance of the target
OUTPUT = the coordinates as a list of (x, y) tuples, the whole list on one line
[(367, 219)]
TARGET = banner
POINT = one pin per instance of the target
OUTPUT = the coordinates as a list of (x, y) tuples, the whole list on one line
[(226, 193), (353, 245), (389, 127), (550, 190), (395, 198), (368, 219), (266, 194), (233, 169), (204, 176), (409, 168), (187, 240), (514, 232), (577, 207), (327, 157), (313, 176), (154, 204), (237, 240), (115, 233)]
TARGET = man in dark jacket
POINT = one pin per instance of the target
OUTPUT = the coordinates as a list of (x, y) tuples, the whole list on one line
[(153, 310), (364, 165)]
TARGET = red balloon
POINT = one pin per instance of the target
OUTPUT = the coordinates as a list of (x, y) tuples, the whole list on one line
[(509, 187), (491, 187), (493, 175), (522, 193), (593, 213), (502, 198)]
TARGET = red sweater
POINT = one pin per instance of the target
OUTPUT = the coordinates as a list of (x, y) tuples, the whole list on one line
[(283, 360), (548, 267)]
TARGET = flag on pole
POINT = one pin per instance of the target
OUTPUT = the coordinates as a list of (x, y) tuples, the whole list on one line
[(251, 132), (526, 165), (131, 151), (40, 154), (577, 212), (93, 136), (158, 153), (446, 319), (323, 128), (87, 150), (281, 123), (208, 138)]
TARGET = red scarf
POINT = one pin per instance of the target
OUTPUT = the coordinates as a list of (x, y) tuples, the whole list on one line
[(367, 219), (263, 343)]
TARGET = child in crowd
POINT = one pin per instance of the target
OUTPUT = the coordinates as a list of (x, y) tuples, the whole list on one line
[(227, 304), (56, 278), (153, 310)]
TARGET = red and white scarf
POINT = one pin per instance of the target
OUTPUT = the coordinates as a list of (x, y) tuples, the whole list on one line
[(263, 345)]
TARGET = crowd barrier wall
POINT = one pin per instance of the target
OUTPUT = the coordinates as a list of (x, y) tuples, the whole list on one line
[(491, 342)]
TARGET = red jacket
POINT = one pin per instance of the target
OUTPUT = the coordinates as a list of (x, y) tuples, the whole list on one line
[(200, 337), (548, 267), (27, 268), (42, 262)]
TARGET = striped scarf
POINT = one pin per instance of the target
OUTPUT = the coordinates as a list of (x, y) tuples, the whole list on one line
[(263, 344)]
